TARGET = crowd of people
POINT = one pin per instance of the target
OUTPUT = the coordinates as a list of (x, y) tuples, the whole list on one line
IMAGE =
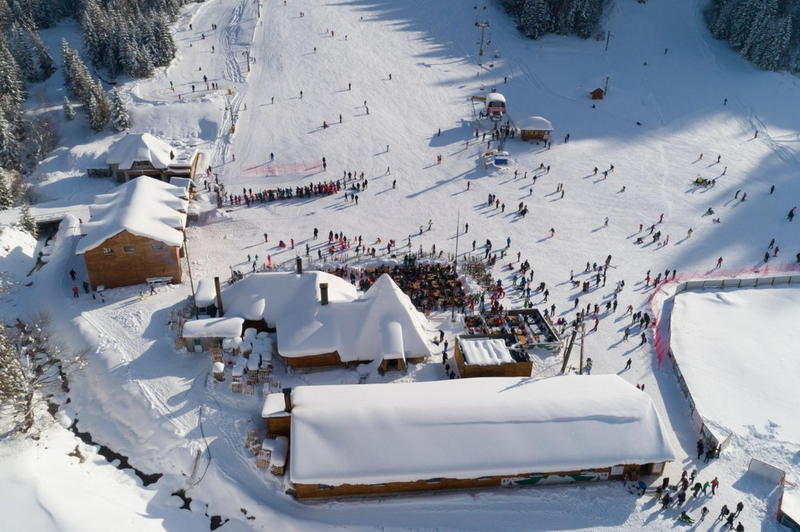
[(431, 285)]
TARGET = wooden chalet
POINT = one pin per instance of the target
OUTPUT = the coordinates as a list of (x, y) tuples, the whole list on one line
[(135, 233)]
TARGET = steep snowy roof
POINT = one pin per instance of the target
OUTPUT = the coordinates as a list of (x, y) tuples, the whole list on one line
[(271, 295), (484, 351), (144, 207), (206, 293), (140, 147), (469, 428), (535, 123), (213, 328), (274, 406), (359, 329)]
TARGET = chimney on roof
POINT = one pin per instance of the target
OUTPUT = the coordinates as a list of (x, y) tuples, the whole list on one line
[(299, 262), (220, 310), (323, 293), (287, 400)]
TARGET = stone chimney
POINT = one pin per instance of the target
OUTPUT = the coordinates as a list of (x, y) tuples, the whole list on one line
[(299, 262), (323, 293), (287, 400)]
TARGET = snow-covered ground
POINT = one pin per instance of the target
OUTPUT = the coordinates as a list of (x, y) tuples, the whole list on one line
[(728, 343), (157, 406)]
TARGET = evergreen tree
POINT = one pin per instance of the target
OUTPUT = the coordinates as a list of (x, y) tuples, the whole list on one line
[(12, 378), (534, 18), (120, 120), (10, 80), (27, 221), (20, 49), (47, 66), (6, 200), (9, 144), (69, 111)]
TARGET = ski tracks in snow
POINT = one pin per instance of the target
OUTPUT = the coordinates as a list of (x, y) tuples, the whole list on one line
[(233, 70)]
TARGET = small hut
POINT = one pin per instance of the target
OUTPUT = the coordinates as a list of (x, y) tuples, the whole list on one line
[(598, 94), (490, 357), (535, 128)]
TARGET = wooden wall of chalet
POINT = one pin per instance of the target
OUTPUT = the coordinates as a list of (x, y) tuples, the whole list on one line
[(279, 426), (124, 269), (515, 369), (533, 134), (317, 491), (326, 360)]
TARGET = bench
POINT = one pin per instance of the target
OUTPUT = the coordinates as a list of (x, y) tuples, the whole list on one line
[(158, 280)]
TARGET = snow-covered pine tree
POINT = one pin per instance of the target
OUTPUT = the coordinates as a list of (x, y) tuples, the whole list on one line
[(45, 12), (27, 221), (47, 66), (741, 23), (10, 157), (21, 51), (534, 18), (12, 378), (76, 75), (759, 34), (94, 32), (11, 86), (69, 111), (120, 119), (774, 50), (6, 200), (164, 49), (98, 108)]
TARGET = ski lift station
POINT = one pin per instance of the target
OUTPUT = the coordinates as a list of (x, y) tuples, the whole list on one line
[(495, 106)]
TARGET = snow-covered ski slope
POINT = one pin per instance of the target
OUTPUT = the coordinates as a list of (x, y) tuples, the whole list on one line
[(148, 402)]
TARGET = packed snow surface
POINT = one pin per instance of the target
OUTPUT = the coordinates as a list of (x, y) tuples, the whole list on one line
[(741, 366)]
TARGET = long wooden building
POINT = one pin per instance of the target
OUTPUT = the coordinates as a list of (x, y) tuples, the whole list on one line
[(382, 439)]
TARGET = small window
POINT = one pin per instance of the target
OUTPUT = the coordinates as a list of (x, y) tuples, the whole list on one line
[(128, 249), (433, 480), (108, 251), (324, 487), (156, 247)]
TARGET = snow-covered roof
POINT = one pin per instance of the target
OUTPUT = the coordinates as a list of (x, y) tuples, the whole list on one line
[(140, 147), (274, 406), (392, 341), (186, 183), (271, 295), (357, 330), (469, 428), (484, 351), (790, 505), (278, 447), (183, 158), (495, 97), (535, 123), (144, 207), (213, 328), (206, 294)]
